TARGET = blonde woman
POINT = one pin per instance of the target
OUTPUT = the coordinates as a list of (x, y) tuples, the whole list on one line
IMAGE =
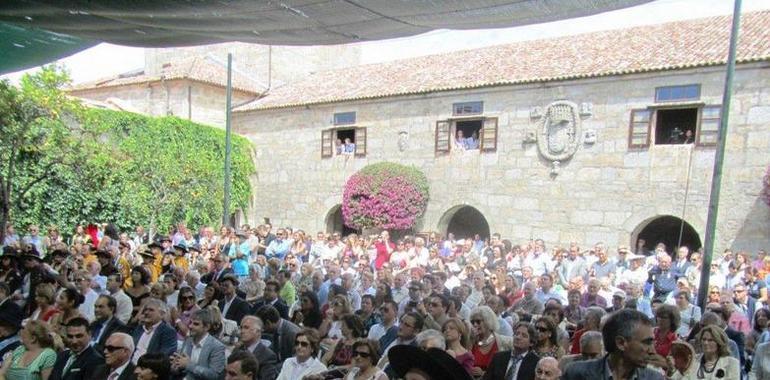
[(34, 358)]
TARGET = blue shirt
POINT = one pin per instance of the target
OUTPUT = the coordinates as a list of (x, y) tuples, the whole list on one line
[(278, 248)]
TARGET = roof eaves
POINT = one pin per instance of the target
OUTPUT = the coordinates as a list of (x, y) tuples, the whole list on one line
[(246, 108), (158, 79)]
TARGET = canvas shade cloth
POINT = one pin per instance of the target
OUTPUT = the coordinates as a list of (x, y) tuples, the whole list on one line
[(36, 32)]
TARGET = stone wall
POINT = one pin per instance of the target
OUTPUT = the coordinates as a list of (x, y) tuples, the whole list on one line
[(606, 192), (288, 62), (199, 102)]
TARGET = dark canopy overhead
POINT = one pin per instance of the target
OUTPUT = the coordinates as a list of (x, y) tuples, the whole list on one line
[(35, 32)]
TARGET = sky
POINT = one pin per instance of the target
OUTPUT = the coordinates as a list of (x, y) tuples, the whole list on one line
[(105, 60)]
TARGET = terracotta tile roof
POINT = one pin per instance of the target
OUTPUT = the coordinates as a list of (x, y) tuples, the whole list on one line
[(196, 69), (670, 46)]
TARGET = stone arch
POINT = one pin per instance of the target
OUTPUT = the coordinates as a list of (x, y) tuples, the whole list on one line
[(665, 229), (464, 221), (335, 223)]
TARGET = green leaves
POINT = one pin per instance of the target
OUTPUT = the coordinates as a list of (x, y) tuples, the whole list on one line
[(84, 165)]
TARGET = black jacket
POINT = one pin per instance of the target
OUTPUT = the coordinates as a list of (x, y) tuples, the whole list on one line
[(499, 366), (113, 326), (84, 367), (239, 308)]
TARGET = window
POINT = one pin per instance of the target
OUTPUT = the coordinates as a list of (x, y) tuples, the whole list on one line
[(675, 126), (344, 118), (467, 108), (669, 126), (466, 135), (343, 141), (677, 93), (710, 119)]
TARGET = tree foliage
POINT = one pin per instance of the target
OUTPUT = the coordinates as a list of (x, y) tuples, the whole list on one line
[(112, 166), (385, 195)]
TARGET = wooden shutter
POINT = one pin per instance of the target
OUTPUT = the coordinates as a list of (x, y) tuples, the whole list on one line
[(708, 130), (327, 143), (489, 135), (360, 137), (443, 137), (639, 129)]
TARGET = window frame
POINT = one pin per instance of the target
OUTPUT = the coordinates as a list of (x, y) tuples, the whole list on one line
[(452, 132), (470, 103), (632, 121), (336, 123), (359, 133), (697, 97), (652, 122)]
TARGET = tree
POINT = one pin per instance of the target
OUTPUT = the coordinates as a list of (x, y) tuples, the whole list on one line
[(385, 195), (39, 136)]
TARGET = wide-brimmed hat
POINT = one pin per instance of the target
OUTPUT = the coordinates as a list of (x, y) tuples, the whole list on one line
[(195, 248), (146, 253), (161, 239), (155, 244), (435, 362), (10, 252), (181, 247), (30, 252)]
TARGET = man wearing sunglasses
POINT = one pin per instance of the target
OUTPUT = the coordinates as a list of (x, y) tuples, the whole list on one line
[(117, 358)]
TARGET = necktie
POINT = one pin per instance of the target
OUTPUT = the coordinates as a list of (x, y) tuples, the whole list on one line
[(97, 333), (512, 368), (70, 361)]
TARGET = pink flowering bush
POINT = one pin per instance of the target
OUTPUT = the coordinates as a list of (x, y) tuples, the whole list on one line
[(766, 187), (385, 195)]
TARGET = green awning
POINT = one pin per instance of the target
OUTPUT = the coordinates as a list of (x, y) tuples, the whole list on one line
[(23, 48)]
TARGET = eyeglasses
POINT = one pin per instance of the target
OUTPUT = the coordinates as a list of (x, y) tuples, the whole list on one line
[(407, 325), (302, 343), (739, 290), (114, 348), (361, 354), (542, 328), (475, 321), (188, 297), (435, 304)]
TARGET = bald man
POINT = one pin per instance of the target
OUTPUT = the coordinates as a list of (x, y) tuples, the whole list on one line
[(547, 369)]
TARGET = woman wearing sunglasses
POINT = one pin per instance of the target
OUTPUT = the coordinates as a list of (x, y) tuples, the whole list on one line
[(364, 362), (303, 363)]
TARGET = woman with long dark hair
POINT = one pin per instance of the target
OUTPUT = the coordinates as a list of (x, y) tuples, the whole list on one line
[(309, 312)]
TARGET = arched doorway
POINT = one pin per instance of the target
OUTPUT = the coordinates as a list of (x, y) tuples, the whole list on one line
[(666, 229), (335, 223), (464, 222)]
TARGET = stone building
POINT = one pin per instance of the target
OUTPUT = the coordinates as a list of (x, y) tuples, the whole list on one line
[(607, 136), (189, 82)]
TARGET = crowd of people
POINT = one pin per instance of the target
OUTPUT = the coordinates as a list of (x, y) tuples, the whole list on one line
[(264, 303)]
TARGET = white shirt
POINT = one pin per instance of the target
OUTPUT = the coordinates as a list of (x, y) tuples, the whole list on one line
[(196, 349), (378, 331), (87, 307), (227, 306), (124, 308), (144, 342), (118, 371)]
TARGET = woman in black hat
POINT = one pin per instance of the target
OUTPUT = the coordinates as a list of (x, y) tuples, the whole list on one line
[(9, 270), (413, 363)]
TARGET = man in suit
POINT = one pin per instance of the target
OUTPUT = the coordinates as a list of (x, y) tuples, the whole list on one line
[(106, 323), (118, 348), (154, 334), (202, 356), (232, 307), (270, 297), (251, 341), (80, 361), (283, 332), (220, 269), (518, 364), (629, 342)]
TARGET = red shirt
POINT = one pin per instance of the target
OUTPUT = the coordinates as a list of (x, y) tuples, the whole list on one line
[(481, 359), (663, 342), (382, 253)]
